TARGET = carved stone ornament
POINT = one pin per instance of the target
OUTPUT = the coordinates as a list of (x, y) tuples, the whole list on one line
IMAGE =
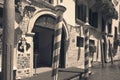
[(29, 10), (25, 8), (92, 48), (116, 2), (23, 45), (24, 24)]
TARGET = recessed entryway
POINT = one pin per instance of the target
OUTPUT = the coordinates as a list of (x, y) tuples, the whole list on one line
[(43, 42)]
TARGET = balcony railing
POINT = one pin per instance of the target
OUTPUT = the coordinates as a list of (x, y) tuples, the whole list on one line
[(92, 29)]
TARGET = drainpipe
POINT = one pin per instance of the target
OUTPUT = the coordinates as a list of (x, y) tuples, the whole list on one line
[(8, 40), (60, 9)]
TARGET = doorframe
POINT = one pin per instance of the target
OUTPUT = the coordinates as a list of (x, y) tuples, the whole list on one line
[(53, 14)]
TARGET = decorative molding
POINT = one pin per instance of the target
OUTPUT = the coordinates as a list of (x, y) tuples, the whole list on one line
[(26, 10), (116, 2), (29, 10), (110, 35), (24, 24), (42, 4), (30, 34), (23, 45), (25, 7), (1, 5)]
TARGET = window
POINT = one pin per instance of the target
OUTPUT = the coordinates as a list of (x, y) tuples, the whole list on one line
[(1, 12), (91, 42), (119, 26), (49, 1), (81, 12), (103, 25), (109, 28), (1, 17), (92, 47), (115, 32), (93, 18), (61, 1), (80, 41)]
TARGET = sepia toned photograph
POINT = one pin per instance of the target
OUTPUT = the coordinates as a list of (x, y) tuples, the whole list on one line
[(59, 39)]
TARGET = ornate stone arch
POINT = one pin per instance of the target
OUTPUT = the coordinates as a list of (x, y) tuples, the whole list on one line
[(45, 12), (51, 13), (36, 16)]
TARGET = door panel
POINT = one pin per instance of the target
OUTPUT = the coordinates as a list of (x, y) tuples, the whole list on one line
[(43, 46)]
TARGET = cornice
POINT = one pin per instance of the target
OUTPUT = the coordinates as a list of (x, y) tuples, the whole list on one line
[(42, 4)]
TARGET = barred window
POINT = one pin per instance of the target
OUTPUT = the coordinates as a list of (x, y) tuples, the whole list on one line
[(80, 41)]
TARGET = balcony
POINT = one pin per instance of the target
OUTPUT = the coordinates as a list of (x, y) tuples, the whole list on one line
[(104, 6)]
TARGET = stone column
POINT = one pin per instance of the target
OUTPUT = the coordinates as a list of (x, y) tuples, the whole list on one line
[(25, 56), (29, 36), (57, 41), (25, 44), (8, 40)]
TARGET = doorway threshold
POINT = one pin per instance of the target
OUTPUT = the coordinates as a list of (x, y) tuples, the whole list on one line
[(41, 70)]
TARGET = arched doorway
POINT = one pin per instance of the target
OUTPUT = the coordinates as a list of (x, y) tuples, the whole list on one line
[(43, 42)]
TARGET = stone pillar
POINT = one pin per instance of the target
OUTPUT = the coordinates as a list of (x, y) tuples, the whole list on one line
[(25, 44), (25, 56), (8, 40), (57, 41)]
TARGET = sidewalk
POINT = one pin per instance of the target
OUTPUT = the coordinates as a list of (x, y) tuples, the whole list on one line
[(64, 74), (109, 72)]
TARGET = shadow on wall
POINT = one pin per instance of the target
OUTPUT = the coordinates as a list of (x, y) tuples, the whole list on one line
[(14, 75), (18, 32), (17, 36)]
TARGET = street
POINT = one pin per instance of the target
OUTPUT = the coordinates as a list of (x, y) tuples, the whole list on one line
[(109, 72)]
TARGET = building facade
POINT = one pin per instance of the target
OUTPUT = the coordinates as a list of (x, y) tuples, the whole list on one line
[(35, 24)]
